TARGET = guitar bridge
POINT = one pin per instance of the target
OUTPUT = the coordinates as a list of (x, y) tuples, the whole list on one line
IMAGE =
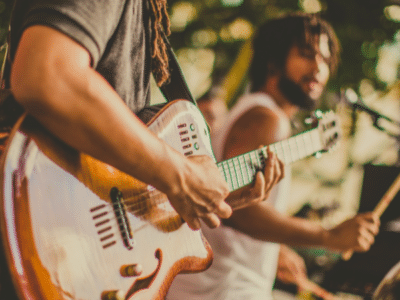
[(120, 214)]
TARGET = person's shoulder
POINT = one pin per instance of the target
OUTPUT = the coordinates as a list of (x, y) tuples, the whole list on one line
[(266, 125), (260, 117)]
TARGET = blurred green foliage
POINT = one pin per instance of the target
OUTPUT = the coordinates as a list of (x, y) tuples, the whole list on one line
[(360, 25)]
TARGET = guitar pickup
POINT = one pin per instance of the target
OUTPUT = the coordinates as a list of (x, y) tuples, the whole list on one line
[(120, 214)]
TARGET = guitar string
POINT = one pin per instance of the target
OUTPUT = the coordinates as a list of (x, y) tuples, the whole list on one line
[(156, 194), (243, 169), (137, 203)]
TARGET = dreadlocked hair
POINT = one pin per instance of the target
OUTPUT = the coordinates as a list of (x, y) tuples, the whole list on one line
[(159, 22)]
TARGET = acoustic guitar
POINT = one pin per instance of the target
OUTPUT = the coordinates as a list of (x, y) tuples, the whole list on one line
[(73, 227)]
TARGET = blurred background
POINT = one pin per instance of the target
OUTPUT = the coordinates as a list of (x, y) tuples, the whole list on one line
[(211, 41)]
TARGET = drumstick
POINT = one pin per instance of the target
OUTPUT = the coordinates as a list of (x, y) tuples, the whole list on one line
[(380, 207)]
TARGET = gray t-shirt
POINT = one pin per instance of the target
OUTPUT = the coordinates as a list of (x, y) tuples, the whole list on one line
[(115, 33)]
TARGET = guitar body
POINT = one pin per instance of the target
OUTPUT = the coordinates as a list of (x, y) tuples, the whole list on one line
[(73, 227)]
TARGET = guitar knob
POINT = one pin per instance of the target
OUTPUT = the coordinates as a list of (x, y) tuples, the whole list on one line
[(113, 295), (131, 270)]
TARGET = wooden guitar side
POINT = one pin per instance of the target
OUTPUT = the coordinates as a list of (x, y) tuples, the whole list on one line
[(63, 233)]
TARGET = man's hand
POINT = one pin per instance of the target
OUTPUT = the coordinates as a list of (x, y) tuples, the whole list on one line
[(263, 183), (291, 267), (356, 234), (201, 194), (292, 270)]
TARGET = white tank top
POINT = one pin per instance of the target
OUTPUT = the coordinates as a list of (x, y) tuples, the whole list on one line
[(243, 267)]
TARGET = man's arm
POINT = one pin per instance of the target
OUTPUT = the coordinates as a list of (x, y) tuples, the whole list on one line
[(52, 78), (262, 186), (263, 222)]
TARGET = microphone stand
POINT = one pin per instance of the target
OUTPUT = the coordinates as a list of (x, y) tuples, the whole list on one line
[(381, 122)]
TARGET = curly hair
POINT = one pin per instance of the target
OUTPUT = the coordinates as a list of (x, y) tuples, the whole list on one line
[(160, 22), (275, 38)]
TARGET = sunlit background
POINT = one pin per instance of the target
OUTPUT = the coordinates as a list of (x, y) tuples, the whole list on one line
[(211, 41)]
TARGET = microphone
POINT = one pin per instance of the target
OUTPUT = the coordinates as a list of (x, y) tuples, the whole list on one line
[(352, 99)]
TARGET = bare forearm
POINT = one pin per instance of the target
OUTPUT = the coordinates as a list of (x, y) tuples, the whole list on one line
[(81, 108), (298, 232), (263, 222)]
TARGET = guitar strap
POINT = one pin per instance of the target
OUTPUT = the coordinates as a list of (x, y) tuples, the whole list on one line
[(176, 87)]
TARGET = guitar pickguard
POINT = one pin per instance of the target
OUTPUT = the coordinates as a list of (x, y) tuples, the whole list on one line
[(63, 238)]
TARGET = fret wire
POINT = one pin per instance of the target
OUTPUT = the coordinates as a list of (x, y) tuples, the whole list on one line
[(251, 164), (226, 172), (276, 149), (294, 146), (304, 146), (307, 142), (239, 173), (283, 158), (316, 141), (247, 168), (291, 151), (258, 159), (222, 171), (312, 142), (298, 151), (232, 160), (230, 182), (230, 174), (272, 148), (255, 161), (264, 151), (314, 149), (284, 151), (279, 151), (300, 148), (234, 178), (242, 165)]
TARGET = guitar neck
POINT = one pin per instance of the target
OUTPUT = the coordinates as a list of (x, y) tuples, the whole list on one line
[(239, 171)]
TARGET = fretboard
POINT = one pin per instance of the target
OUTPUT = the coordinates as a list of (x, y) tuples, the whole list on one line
[(239, 171)]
